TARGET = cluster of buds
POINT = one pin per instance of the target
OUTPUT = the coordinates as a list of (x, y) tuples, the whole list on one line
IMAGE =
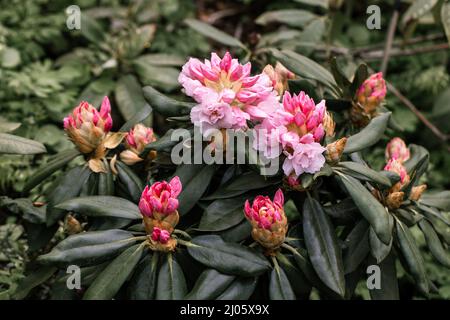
[(268, 220), (279, 76), (135, 141), (396, 153), (158, 206), (369, 97), (87, 127)]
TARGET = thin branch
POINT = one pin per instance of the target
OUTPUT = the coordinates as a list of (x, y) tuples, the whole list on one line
[(389, 39)]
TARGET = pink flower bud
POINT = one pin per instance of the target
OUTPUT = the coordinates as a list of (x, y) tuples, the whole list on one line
[(138, 137), (397, 149), (160, 235), (264, 211), (160, 198), (372, 92), (87, 127), (268, 220), (397, 167)]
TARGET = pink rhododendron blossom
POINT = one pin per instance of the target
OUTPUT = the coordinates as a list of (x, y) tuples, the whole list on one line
[(306, 157), (160, 235), (87, 127), (397, 149), (219, 82), (265, 212), (161, 197), (397, 167)]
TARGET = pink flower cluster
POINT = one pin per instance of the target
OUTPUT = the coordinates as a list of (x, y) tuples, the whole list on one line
[(396, 166), (295, 129), (227, 94), (138, 137), (160, 235), (161, 198), (265, 212)]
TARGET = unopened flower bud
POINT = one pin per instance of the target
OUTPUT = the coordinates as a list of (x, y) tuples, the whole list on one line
[(87, 127), (279, 77), (416, 192), (397, 167), (328, 124), (135, 142), (372, 92), (159, 204), (268, 220), (161, 240), (335, 150), (397, 149), (72, 225), (395, 199)]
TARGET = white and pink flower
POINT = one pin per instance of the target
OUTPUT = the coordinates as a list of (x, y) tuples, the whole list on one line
[(227, 94)]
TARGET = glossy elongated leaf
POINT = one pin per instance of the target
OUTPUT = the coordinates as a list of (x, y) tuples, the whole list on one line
[(163, 143), (322, 245), (89, 247), (108, 283), (378, 249), (279, 285), (241, 184), (240, 289), (356, 246), (102, 206), (209, 285), (445, 19), (67, 187), (418, 169), (440, 200), (412, 256), (162, 59), (129, 97), (164, 78), (130, 180), (31, 281), (138, 117), (363, 170), (237, 233), (194, 188), (106, 182), (434, 243), (143, 284), (222, 214), (213, 33), (430, 213), (369, 207), (171, 281), (60, 160), (340, 77), (291, 17), (11, 144), (228, 258), (361, 74), (388, 283), (299, 283), (305, 67), (369, 135), (164, 105)]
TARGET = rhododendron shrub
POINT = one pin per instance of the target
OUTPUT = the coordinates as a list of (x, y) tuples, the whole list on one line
[(143, 227)]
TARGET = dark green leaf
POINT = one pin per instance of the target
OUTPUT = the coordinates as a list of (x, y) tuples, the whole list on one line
[(356, 246), (291, 17), (164, 105), (440, 200), (228, 258), (239, 289), (31, 281), (102, 206), (108, 283), (222, 214), (12, 144), (369, 135), (130, 180), (434, 243), (210, 285), (323, 249), (143, 284), (138, 117), (363, 170), (279, 286), (388, 282), (213, 33), (171, 281), (129, 97)]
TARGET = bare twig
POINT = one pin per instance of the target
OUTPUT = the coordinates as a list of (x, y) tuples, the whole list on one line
[(389, 39), (438, 133)]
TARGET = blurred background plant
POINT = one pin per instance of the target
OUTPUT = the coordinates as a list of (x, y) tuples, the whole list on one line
[(46, 69)]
